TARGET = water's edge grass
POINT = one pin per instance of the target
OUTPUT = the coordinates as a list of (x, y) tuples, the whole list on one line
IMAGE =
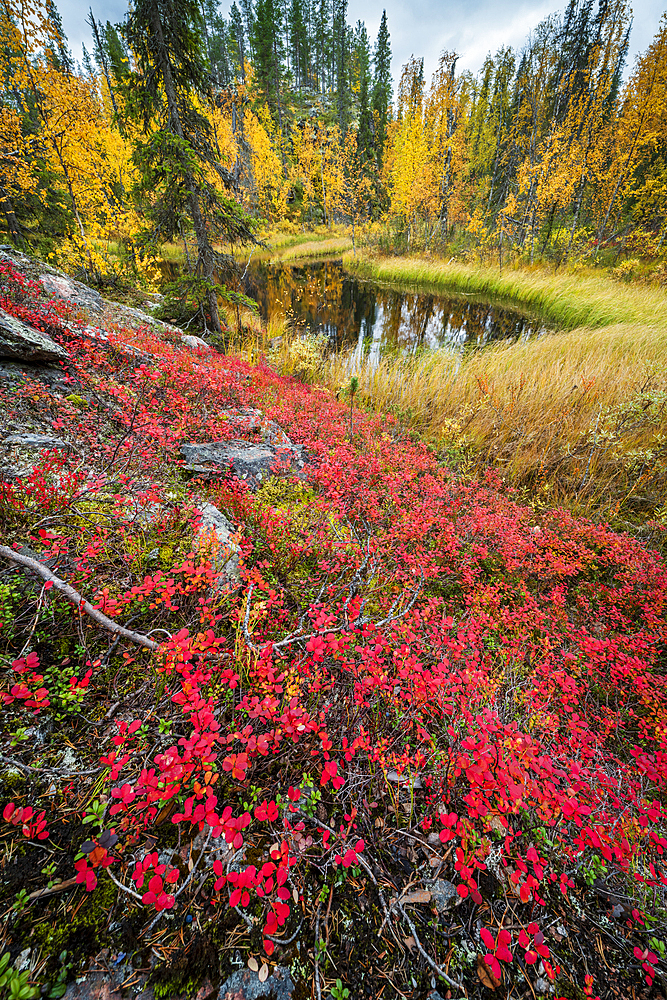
[(566, 300)]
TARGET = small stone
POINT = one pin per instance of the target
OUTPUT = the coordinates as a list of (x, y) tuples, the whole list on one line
[(444, 895), (23, 961), (246, 985)]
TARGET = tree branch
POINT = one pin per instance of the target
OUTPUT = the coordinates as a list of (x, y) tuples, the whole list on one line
[(76, 599)]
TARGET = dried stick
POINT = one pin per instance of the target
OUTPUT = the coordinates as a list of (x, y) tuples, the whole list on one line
[(76, 599), (318, 988), (436, 968)]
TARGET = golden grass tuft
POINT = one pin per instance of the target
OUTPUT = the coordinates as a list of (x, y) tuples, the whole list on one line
[(578, 416), (317, 248), (567, 299)]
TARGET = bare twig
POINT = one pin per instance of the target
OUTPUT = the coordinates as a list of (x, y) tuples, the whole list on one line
[(316, 951), (120, 885), (434, 965), (49, 889), (283, 940), (44, 769), (76, 599)]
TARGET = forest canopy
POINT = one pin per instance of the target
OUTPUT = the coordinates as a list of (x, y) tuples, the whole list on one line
[(554, 151)]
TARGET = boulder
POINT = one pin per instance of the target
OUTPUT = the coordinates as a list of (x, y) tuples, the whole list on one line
[(249, 461), (190, 340), (33, 441), (73, 291), (18, 340), (247, 985), (215, 530)]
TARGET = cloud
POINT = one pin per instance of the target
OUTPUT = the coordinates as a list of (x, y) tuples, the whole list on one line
[(418, 27), (74, 20)]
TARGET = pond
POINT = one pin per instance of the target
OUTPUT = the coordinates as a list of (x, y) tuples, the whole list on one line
[(321, 297)]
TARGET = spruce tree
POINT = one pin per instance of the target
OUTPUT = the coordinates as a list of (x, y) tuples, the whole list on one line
[(362, 59), (101, 56), (381, 86), (267, 46), (60, 55), (178, 153), (340, 53), (238, 36)]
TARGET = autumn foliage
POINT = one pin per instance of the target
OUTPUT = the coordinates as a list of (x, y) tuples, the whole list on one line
[(408, 660)]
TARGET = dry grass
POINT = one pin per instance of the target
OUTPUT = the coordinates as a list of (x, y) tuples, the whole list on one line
[(315, 248), (578, 416), (567, 299)]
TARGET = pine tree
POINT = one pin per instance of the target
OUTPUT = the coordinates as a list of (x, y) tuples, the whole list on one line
[(267, 47), (222, 51), (59, 55), (238, 36), (178, 156), (248, 12), (298, 39), (322, 45), (381, 86)]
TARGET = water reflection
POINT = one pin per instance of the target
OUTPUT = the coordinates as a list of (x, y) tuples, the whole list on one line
[(322, 297)]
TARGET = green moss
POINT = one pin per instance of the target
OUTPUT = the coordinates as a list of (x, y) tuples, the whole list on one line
[(78, 401), (80, 935), (285, 494)]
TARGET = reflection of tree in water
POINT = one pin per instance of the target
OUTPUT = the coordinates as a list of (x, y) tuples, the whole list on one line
[(322, 297)]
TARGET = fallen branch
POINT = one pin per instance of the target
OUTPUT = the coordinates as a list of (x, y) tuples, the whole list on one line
[(76, 599), (49, 889), (434, 965)]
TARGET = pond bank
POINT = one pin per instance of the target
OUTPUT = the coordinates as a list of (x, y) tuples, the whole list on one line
[(567, 300), (577, 418)]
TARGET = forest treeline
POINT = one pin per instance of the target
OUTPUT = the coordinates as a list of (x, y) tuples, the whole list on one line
[(189, 125)]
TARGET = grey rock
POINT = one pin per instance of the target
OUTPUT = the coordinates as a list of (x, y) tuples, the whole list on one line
[(72, 291), (245, 985), (414, 781), (33, 441), (217, 531), (251, 462), (18, 340), (444, 895), (142, 512), (16, 373), (191, 341)]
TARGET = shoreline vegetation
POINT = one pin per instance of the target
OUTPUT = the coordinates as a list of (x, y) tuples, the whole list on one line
[(575, 417)]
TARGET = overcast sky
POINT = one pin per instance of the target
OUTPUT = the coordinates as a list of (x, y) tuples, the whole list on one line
[(418, 27)]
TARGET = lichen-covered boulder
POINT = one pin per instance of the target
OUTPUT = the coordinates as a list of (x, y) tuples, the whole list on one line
[(73, 291), (19, 340), (249, 461)]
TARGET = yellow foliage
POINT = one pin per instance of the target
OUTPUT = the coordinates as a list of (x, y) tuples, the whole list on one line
[(267, 169)]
